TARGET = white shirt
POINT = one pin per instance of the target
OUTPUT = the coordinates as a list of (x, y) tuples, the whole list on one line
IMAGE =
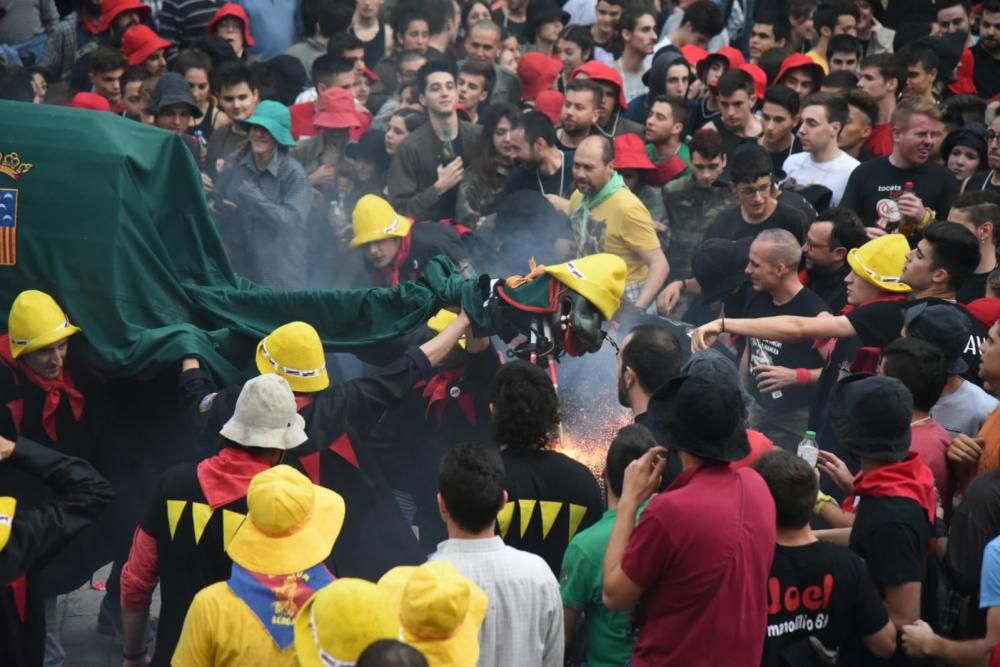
[(524, 621), (832, 174), (634, 87), (674, 22)]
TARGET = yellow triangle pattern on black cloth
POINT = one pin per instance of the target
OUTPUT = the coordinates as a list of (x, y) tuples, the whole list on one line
[(201, 514), (549, 510)]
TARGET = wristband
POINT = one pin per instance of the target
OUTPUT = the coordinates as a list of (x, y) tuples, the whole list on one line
[(822, 499), (722, 328), (684, 286), (136, 656), (803, 376)]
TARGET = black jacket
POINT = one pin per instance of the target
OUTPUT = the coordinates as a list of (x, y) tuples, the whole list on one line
[(38, 533)]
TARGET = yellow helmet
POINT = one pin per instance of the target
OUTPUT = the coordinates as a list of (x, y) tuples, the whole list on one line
[(375, 219), (295, 352), (440, 322), (880, 262), (36, 321), (7, 507), (598, 278)]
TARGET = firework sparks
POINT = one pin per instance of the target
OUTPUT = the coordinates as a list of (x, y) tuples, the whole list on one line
[(587, 436)]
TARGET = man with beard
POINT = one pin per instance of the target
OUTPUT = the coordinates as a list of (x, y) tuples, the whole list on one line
[(420, 184), (987, 52), (607, 217), (543, 166), (905, 191), (579, 113), (665, 125), (834, 233), (988, 180)]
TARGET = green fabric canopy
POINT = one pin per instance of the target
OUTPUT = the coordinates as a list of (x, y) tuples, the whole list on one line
[(112, 221)]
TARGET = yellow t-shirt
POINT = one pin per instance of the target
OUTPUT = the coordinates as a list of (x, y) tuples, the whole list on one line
[(622, 226), (820, 60), (221, 631)]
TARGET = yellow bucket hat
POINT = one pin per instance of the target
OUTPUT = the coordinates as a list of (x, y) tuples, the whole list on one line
[(880, 262), (291, 523), (7, 507), (598, 278), (341, 620), (36, 321), (440, 611), (295, 352), (440, 322), (375, 219)]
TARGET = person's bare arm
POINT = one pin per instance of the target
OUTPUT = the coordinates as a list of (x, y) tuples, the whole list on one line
[(437, 348), (903, 603), (659, 269), (883, 642), (571, 618), (642, 477), (919, 640), (787, 328), (841, 536)]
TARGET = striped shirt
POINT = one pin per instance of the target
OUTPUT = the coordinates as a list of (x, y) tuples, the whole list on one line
[(184, 21)]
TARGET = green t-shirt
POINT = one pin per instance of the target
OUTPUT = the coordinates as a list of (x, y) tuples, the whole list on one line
[(581, 582)]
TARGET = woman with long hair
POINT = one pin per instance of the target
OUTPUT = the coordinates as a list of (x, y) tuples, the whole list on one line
[(196, 68), (401, 124), (575, 47), (491, 159)]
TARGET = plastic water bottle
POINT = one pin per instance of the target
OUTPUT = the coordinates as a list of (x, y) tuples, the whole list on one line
[(808, 450)]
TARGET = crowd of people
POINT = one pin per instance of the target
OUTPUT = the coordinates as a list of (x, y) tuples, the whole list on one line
[(805, 199)]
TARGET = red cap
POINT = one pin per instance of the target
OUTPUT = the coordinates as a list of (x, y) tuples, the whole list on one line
[(759, 79), (801, 60), (694, 54), (986, 310), (140, 42), (732, 56), (630, 153), (537, 72), (598, 71), (372, 76), (550, 103), (91, 101), (336, 110), (110, 9), (235, 11)]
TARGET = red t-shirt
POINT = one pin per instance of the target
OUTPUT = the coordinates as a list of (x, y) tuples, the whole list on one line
[(879, 141), (931, 441), (302, 120), (702, 552)]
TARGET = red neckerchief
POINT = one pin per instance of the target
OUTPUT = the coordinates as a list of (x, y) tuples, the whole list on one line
[(389, 276), (909, 478), (303, 401), (225, 477), (804, 278), (54, 389), (436, 391)]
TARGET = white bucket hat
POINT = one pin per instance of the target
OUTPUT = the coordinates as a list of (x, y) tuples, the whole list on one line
[(265, 416)]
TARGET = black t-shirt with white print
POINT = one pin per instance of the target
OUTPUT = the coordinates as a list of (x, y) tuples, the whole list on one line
[(763, 352), (875, 186), (819, 590)]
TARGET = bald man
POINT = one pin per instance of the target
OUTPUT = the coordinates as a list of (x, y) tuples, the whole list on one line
[(482, 47), (607, 217)]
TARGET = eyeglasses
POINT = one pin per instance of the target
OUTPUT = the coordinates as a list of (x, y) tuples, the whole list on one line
[(991, 136), (763, 190)]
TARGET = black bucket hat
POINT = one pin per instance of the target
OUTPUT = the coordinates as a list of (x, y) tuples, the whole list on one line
[(871, 414), (703, 415), (371, 148), (173, 89), (973, 136), (945, 327), (540, 11), (718, 265)]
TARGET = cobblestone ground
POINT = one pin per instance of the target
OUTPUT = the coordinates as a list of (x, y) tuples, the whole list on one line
[(78, 613)]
